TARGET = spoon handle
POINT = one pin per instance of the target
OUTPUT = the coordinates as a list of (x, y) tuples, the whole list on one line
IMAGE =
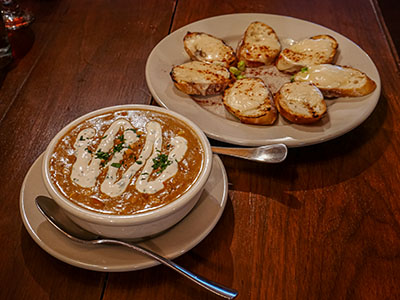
[(274, 153), (214, 287)]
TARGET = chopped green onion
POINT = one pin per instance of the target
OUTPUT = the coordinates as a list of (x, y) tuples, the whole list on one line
[(305, 69), (241, 65), (116, 165), (235, 71)]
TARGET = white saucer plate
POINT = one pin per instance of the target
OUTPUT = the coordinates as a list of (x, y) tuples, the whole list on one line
[(172, 243), (344, 114)]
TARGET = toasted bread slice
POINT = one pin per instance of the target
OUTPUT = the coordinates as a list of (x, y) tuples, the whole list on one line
[(320, 49), (207, 48), (250, 101), (300, 102), (259, 46), (199, 78), (337, 81)]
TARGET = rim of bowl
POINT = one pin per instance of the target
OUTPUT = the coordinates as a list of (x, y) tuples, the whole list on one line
[(145, 217)]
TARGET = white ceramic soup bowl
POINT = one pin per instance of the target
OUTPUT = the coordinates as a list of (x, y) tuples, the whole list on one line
[(137, 225)]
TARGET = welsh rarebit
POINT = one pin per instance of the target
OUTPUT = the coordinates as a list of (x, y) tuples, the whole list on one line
[(300, 102), (250, 101), (259, 46), (337, 81), (319, 49), (200, 78), (207, 48)]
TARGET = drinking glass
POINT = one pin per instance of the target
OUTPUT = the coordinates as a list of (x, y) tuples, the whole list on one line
[(14, 16), (5, 47)]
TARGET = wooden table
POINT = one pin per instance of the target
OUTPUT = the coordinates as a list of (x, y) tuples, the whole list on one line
[(324, 224)]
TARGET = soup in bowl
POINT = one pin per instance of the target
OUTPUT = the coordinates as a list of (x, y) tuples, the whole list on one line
[(128, 171)]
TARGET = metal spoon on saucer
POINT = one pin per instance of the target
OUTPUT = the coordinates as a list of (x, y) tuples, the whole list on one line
[(56, 216), (274, 153)]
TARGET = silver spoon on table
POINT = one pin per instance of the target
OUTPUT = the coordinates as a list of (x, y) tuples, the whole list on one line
[(274, 153), (56, 216)]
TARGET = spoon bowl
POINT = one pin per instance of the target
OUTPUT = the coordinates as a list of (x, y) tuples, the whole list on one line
[(56, 216)]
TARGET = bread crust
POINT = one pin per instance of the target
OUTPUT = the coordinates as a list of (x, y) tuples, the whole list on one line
[(267, 117)]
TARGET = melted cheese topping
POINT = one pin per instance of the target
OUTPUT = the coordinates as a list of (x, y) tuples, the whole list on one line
[(260, 43), (262, 36), (86, 168), (247, 95), (208, 48), (332, 76), (304, 53), (301, 97), (200, 72)]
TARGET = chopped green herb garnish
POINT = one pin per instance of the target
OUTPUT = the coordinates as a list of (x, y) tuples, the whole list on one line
[(88, 150), (116, 165), (118, 147), (121, 138), (102, 155), (292, 79), (104, 137), (81, 138), (131, 129), (139, 162), (161, 162), (305, 69), (145, 173)]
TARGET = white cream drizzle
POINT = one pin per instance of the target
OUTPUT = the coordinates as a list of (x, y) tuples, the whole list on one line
[(143, 184), (86, 168)]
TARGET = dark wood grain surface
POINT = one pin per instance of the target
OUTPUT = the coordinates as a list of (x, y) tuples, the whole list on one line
[(324, 224)]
